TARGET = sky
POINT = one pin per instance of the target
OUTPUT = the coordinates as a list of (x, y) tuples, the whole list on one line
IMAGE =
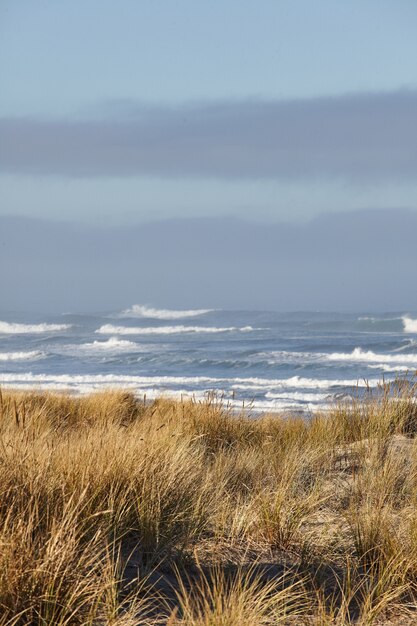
[(335, 262), (141, 110), (279, 112)]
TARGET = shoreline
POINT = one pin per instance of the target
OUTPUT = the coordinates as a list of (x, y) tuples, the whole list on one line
[(394, 387)]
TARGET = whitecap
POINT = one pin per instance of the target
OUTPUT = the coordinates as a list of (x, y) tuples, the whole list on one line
[(21, 356), (378, 319), (110, 329), (359, 355), (277, 357), (297, 382), (410, 324), (265, 384), (12, 328), (280, 406), (297, 396), (113, 345), (142, 310), (391, 368), (113, 379)]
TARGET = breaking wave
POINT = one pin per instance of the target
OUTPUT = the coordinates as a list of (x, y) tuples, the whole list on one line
[(410, 325), (266, 384), (111, 345), (297, 382), (298, 396), (11, 328), (21, 356), (391, 368), (141, 310), (371, 357), (368, 318), (104, 378), (110, 329)]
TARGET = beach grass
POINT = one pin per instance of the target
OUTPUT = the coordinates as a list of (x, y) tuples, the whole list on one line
[(116, 510)]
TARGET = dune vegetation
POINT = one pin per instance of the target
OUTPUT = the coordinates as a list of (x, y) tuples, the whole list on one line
[(120, 511)]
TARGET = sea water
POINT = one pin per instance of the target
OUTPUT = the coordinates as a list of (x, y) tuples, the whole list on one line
[(263, 360)]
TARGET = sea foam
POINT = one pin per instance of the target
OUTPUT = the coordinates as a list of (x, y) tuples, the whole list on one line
[(391, 368), (141, 310), (372, 357), (110, 379), (266, 384), (110, 329), (113, 344), (297, 382), (21, 356), (110, 347), (410, 325), (298, 396), (12, 328)]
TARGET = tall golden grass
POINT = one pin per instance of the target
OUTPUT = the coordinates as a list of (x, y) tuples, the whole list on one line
[(117, 511)]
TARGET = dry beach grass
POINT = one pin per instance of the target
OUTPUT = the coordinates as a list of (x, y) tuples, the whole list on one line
[(117, 511)]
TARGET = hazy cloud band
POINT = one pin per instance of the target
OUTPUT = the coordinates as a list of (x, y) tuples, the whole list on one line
[(365, 260), (361, 138)]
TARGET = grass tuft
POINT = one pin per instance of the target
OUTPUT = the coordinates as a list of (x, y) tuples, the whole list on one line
[(117, 511)]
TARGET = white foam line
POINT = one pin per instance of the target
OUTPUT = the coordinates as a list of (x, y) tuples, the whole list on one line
[(295, 382), (153, 388), (21, 356), (11, 328), (113, 345), (298, 382), (297, 396), (284, 356), (360, 355), (141, 310), (121, 379), (391, 368), (281, 406), (110, 329), (276, 405), (378, 319)]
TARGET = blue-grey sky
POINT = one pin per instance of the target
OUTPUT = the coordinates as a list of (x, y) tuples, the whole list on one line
[(222, 153), (340, 261), (148, 109)]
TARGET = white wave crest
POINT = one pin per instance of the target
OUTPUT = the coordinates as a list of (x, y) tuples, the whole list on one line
[(391, 368), (141, 310), (410, 325), (297, 382), (359, 355), (113, 344), (280, 406), (265, 384), (110, 329), (377, 319), (277, 357), (21, 356), (114, 380), (11, 328), (109, 347), (298, 396)]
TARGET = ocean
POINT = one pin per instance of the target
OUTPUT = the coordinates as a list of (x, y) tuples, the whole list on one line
[(260, 360)]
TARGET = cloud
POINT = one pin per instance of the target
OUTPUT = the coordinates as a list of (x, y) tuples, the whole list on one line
[(361, 138), (364, 260)]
